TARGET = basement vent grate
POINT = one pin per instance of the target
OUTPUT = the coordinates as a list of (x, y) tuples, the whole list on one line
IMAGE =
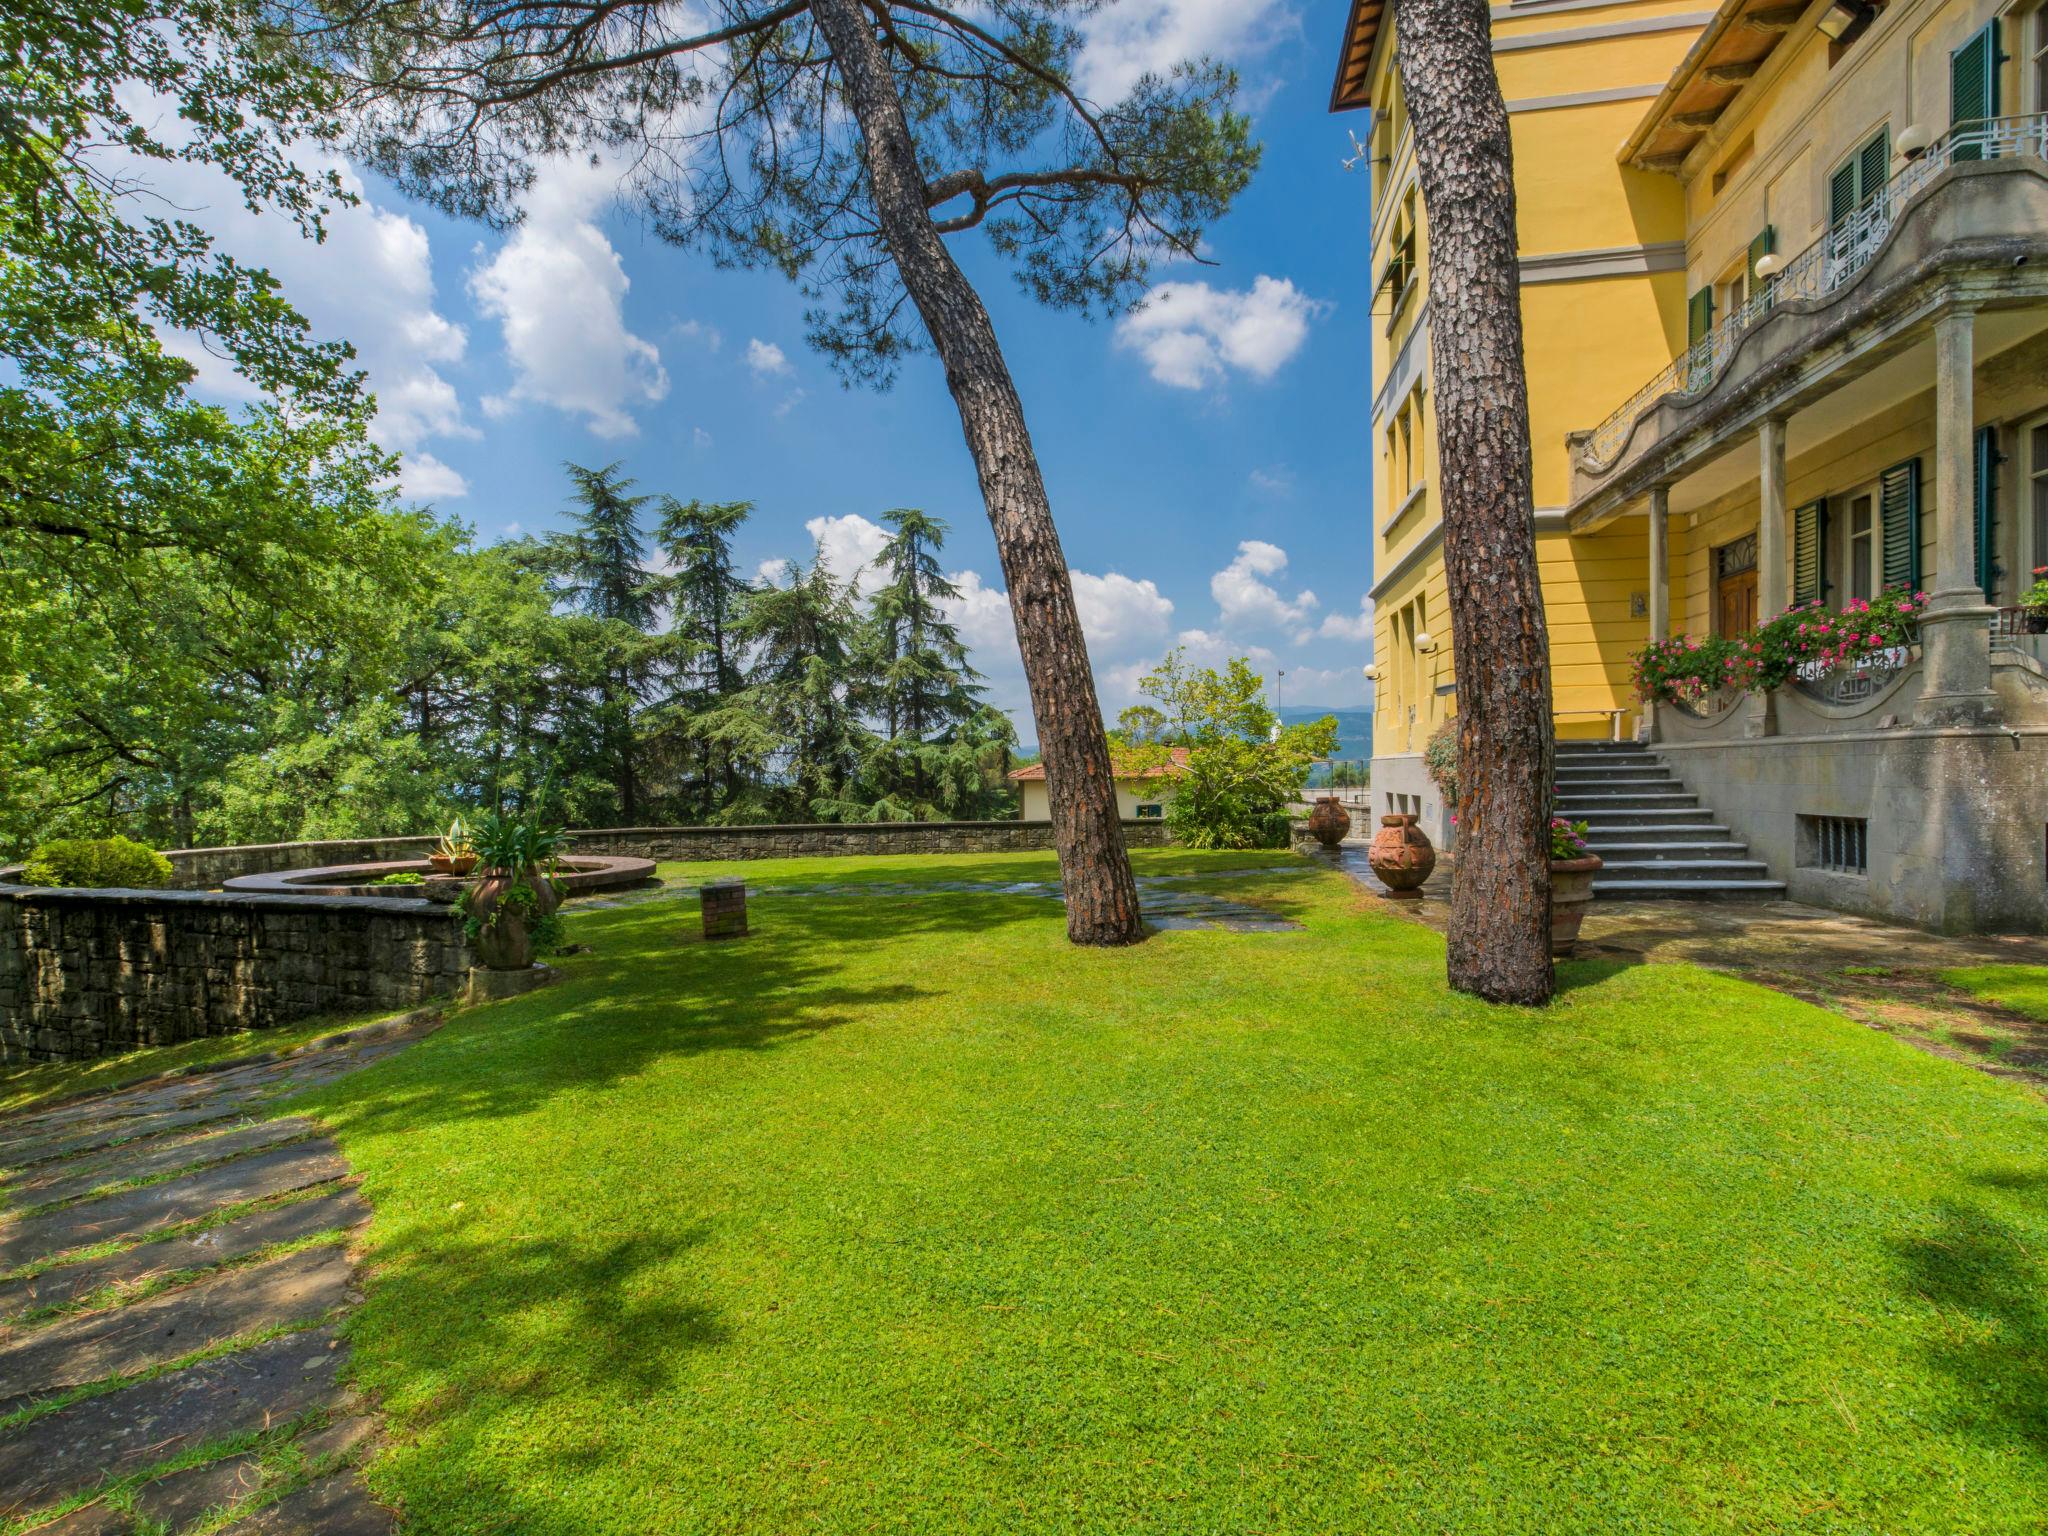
[(1838, 844)]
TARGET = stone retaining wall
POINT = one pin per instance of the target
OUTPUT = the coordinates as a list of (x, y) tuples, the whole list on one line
[(206, 868), (83, 973)]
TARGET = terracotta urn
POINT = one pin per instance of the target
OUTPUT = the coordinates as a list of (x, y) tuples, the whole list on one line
[(1401, 855), (1571, 892), (459, 864), (503, 940), (1329, 823)]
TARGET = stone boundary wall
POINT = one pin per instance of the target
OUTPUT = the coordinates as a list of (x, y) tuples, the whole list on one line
[(206, 868), (83, 973)]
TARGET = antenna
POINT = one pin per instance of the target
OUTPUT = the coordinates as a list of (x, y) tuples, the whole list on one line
[(1359, 152)]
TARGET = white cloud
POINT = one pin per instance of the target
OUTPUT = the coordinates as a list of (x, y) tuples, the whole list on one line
[(699, 437), (696, 330), (1349, 626), (788, 403), (422, 477), (772, 572), (766, 359), (1118, 611), (556, 288), (849, 545), (1119, 615), (1278, 481), (1191, 335), (1243, 598), (370, 281), (1138, 37)]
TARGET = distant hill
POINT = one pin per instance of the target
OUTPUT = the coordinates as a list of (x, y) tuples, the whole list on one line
[(1354, 727)]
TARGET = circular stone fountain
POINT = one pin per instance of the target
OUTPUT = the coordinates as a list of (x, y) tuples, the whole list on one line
[(577, 875)]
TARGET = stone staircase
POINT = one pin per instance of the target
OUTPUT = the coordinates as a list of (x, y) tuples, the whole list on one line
[(1658, 841)]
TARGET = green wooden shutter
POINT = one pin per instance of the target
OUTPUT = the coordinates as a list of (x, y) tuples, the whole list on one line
[(1699, 315), (1809, 559), (1874, 165), (1899, 516), (1984, 523), (1973, 85), (1765, 242), (1842, 193)]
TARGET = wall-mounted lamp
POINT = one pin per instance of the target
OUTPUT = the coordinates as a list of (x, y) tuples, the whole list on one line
[(1372, 674), (1425, 642), (1913, 140), (1769, 266), (1839, 17)]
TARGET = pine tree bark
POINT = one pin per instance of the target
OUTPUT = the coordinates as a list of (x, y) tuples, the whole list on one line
[(1500, 881), (1095, 869)]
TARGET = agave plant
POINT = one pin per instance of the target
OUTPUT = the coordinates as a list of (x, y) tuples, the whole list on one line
[(454, 843), (512, 845)]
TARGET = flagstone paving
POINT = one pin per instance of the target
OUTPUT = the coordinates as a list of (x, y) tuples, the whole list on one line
[(1167, 901), (172, 1269)]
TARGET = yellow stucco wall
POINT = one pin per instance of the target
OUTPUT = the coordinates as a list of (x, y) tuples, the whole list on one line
[(1589, 341)]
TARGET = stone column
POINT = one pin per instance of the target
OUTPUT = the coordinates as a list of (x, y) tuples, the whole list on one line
[(1955, 630), (1772, 584), (1773, 594), (1660, 591)]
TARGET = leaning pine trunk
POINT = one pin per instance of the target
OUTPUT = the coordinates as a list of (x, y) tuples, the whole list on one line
[(1102, 898), (1500, 884)]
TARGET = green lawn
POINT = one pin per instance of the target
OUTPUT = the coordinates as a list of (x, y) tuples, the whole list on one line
[(2022, 988), (903, 1215)]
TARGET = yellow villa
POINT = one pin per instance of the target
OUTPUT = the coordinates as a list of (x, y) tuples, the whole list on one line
[(1785, 294)]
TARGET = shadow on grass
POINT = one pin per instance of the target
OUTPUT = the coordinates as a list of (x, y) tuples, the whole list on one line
[(1991, 1335)]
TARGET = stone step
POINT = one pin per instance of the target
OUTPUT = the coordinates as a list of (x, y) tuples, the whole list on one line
[(1690, 820), (1688, 890), (1641, 870), (1576, 806), (1575, 784), (1678, 849)]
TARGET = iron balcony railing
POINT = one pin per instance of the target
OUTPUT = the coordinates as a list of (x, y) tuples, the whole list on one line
[(1818, 270)]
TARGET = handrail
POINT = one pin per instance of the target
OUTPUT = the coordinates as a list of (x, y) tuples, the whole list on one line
[(1817, 271)]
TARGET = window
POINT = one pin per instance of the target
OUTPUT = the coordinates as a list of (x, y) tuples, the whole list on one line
[(2036, 63), (1404, 448), (1837, 844), (2035, 521), (1699, 316), (1151, 810), (1861, 177), (1862, 552)]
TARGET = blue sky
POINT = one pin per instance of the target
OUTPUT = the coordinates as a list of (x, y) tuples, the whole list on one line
[(1207, 459)]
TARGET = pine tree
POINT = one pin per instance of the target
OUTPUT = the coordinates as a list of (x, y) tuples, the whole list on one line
[(923, 690), (798, 711), (601, 569), (705, 595)]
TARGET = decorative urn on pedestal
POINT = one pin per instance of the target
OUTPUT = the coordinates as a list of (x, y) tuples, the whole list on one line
[(1329, 823), (1401, 855), (1573, 864)]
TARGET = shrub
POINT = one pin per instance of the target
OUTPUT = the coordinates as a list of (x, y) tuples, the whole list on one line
[(97, 862), (403, 877), (1440, 761)]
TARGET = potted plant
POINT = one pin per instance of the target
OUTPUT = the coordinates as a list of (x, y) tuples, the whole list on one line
[(1573, 863), (2034, 601), (453, 854), (511, 908)]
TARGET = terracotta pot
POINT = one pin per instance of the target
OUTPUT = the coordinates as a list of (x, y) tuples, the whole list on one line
[(457, 864), (1571, 892), (1401, 855), (2034, 622), (1329, 823), (503, 941)]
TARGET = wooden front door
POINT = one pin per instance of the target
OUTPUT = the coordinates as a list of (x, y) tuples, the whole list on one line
[(1735, 603)]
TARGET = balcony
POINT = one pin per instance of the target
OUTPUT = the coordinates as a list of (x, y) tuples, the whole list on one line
[(1747, 365)]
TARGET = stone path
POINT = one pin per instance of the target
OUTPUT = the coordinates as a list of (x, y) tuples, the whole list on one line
[(1166, 900), (172, 1268)]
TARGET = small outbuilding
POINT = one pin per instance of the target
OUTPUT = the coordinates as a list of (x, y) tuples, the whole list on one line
[(1141, 793)]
